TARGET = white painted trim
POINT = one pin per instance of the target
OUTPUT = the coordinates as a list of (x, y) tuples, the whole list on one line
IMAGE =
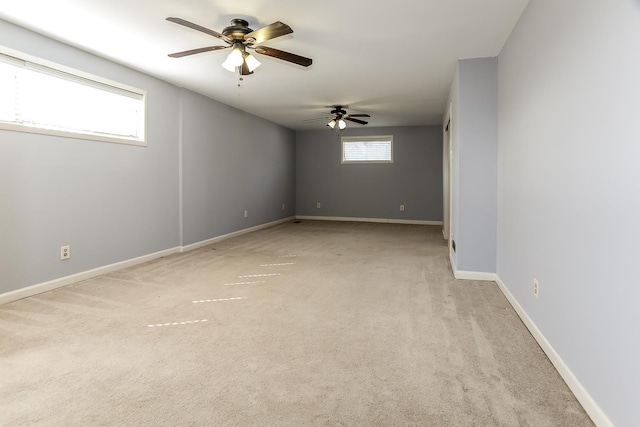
[(354, 219), (83, 135), (449, 119), (470, 275), (233, 234), (475, 275), (84, 275), (452, 262), (376, 138), (588, 403)]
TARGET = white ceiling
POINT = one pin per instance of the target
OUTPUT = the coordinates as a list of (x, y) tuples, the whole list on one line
[(391, 59)]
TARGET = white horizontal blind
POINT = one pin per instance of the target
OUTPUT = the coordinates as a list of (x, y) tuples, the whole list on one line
[(37, 96), (369, 149)]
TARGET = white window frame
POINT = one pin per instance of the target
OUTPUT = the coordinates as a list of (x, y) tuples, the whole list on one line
[(80, 77), (348, 139)]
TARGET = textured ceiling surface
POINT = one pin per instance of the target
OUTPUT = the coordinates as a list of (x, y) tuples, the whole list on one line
[(392, 60)]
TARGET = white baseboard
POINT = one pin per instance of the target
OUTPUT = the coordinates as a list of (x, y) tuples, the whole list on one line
[(470, 275), (475, 275), (233, 234), (588, 403), (354, 219), (590, 406), (84, 275), (585, 399)]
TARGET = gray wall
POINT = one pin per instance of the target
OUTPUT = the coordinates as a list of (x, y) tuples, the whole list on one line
[(114, 202), (110, 202), (371, 190), (232, 162), (569, 187), (474, 98)]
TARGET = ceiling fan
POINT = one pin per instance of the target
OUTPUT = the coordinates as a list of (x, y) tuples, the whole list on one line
[(239, 37), (340, 115)]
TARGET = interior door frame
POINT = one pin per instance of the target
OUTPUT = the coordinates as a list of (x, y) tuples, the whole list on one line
[(447, 175)]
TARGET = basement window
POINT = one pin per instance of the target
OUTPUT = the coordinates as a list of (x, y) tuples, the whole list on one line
[(367, 149), (38, 96)]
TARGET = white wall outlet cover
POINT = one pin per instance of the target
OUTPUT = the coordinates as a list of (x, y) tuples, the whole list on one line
[(65, 252)]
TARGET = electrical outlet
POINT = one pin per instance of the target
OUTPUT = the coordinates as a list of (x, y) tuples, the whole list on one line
[(401, 208), (65, 252), (246, 214), (536, 287), (318, 205)]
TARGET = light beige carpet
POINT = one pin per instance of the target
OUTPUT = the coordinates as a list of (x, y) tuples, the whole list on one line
[(302, 324)]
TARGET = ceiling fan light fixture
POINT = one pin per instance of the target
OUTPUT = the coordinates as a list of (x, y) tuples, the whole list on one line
[(228, 66), (235, 58), (332, 124), (251, 62), (342, 124)]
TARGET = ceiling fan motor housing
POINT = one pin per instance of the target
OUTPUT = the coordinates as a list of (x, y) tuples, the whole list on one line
[(338, 111), (237, 29)]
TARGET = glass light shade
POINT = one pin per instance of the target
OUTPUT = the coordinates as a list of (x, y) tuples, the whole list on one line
[(251, 62), (342, 124), (227, 66), (234, 59), (332, 124)]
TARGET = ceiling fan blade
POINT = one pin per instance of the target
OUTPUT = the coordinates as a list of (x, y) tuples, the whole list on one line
[(286, 56), (268, 32), (199, 28), (194, 51), (317, 119), (359, 115), (362, 122)]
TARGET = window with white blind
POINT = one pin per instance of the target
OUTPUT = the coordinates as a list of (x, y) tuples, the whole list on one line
[(367, 149), (38, 96)]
